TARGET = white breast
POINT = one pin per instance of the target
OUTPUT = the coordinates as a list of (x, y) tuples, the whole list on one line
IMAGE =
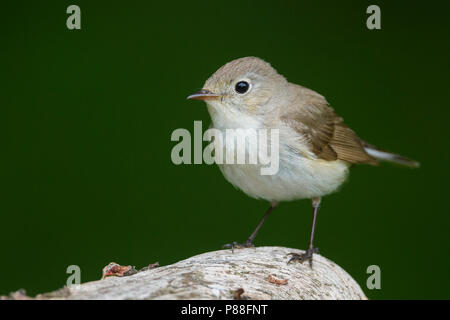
[(297, 178), (300, 175)]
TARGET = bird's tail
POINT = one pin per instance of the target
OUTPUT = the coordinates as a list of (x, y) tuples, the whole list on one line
[(383, 155)]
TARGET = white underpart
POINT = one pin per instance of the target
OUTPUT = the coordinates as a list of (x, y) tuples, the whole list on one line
[(301, 175)]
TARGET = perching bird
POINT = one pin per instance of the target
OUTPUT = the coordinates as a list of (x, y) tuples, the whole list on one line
[(316, 148)]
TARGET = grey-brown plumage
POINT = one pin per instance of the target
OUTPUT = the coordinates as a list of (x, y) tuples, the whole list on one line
[(316, 146), (326, 133)]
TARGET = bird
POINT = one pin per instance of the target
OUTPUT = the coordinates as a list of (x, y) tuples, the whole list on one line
[(316, 148)]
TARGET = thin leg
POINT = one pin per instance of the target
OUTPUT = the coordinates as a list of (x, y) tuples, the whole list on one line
[(249, 242), (308, 255), (316, 205)]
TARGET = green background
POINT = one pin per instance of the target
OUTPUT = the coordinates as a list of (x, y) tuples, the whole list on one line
[(86, 116)]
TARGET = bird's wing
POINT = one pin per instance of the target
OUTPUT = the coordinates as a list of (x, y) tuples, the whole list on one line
[(323, 130)]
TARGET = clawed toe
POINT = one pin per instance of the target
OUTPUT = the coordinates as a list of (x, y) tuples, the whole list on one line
[(235, 245), (307, 256)]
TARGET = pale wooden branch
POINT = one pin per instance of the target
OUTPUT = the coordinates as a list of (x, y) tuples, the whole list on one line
[(262, 273)]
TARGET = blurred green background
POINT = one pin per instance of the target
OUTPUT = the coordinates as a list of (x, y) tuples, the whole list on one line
[(86, 117)]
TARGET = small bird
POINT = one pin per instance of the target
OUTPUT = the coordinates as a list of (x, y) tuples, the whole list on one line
[(316, 147)]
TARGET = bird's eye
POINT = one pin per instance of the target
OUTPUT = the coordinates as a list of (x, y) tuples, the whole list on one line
[(242, 87)]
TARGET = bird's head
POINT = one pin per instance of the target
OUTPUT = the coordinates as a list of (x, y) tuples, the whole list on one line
[(245, 85)]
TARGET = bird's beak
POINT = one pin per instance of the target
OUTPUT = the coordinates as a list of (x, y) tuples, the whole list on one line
[(203, 95)]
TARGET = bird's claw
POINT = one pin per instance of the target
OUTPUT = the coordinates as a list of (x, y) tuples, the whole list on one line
[(307, 256), (235, 245)]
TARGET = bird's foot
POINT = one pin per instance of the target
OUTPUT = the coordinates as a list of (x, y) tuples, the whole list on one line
[(235, 245), (307, 256)]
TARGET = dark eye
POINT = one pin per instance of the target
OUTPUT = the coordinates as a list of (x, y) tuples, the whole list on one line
[(242, 87)]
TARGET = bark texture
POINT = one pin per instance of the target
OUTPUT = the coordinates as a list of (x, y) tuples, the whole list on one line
[(253, 273)]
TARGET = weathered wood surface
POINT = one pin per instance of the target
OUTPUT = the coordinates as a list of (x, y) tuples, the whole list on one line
[(262, 273)]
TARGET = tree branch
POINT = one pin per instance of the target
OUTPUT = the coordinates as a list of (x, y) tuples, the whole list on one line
[(262, 273)]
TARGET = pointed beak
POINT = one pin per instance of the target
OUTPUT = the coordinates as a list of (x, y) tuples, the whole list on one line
[(203, 95)]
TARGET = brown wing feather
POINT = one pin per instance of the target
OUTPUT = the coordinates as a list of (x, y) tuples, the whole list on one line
[(327, 135), (348, 145)]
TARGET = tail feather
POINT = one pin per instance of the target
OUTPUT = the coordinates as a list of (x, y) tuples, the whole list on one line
[(383, 155)]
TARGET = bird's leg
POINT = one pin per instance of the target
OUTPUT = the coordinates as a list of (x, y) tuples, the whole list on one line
[(308, 255), (249, 242)]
